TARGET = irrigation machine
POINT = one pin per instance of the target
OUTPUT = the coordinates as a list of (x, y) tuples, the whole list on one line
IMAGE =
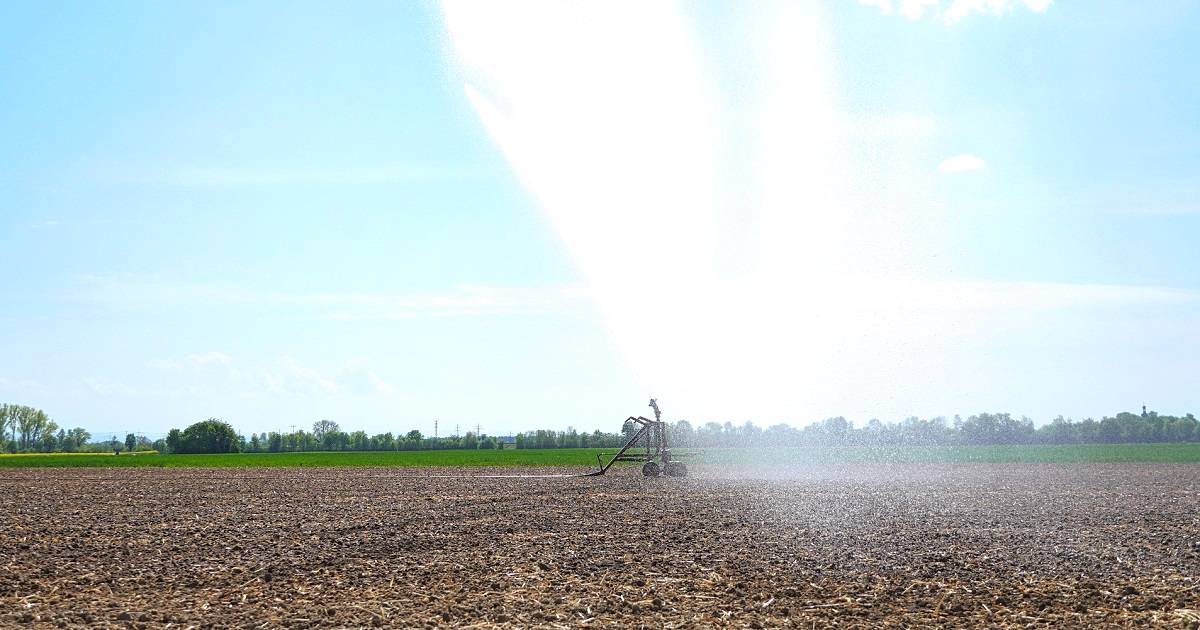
[(649, 446)]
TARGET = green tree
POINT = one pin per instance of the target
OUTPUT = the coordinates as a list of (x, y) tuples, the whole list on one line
[(358, 441), (130, 442), (208, 436), (5, 422), (27, 426), (1060, 431), (682, 434), (174, 441), (335, 440), (75, 439), (383, 442), (49, 441), (323, 427)]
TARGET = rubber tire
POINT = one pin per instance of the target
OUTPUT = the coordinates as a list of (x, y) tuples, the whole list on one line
[(675, 469), (651, 469)]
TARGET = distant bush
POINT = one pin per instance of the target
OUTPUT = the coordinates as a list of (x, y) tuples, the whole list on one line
[(208, 436)]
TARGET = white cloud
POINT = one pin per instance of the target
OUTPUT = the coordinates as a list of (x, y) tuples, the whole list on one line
[(130, 291), (232, 177), (210, 357), (916, 9), (903, 125), (164, 364), (955, 10), (1008, 297), (360, 378), (1159, 209), (18, 384), (281, 376), (962, 163), (885, 6), (1167, 197), (105, 387), (289, 377)]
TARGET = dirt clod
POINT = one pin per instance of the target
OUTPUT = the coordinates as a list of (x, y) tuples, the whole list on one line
[(984, 545)]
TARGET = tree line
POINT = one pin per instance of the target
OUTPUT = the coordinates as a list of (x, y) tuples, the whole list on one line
[(216, 436), (327, 435), (981, 429), (26, 429)]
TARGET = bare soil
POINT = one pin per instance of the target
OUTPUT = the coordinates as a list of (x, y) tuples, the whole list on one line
[(997, 546)]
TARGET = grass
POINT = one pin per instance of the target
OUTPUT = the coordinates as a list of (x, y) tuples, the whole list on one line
[(79, 454), (511, 457), (1051, 454)]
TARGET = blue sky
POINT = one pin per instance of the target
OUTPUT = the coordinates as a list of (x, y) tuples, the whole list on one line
[(383, 213)]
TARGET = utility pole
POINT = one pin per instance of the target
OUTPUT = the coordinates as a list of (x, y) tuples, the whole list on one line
[(435, 429), (293, 437), (477, 433), (455, 429)]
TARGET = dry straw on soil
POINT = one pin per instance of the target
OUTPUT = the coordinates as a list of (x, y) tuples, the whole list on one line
[(944, 546)]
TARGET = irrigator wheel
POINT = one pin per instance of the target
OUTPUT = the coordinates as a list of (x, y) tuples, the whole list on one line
[(651, 469), (675, 469)]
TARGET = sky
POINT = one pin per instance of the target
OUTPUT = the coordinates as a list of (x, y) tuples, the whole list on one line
[(536, 215)]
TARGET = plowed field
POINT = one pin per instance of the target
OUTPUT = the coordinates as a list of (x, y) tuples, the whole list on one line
[(998, 545)]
